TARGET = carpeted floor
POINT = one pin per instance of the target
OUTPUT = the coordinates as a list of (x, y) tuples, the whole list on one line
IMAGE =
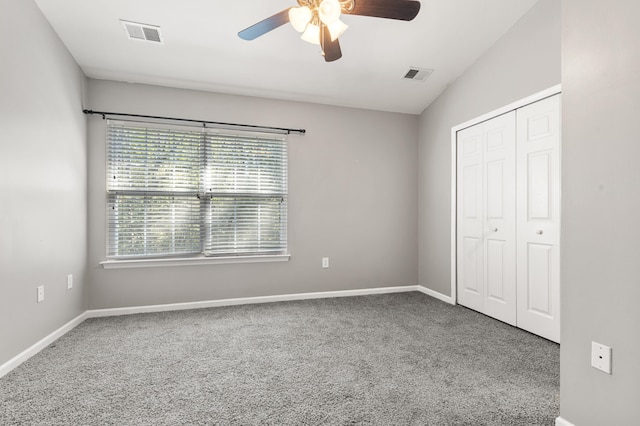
[(397, 359)]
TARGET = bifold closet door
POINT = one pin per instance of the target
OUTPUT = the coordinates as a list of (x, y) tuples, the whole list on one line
[(538, 223), (486, 223)]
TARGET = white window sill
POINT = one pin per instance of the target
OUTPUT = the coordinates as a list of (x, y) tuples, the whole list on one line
[(191, 261)]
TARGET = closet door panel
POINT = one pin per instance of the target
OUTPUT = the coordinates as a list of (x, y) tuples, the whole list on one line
[(539, 279), (538, 238), (471, 284), (496, 279), (499, 218), (539, 191), (469, 219), (495, 190), (486, 218)]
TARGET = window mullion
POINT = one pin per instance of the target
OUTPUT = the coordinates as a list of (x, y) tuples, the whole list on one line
[(202, 184)]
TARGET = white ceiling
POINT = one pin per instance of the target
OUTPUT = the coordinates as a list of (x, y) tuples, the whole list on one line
[(202, 51)]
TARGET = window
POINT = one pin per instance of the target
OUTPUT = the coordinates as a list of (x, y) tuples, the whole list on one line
[(184, 191)]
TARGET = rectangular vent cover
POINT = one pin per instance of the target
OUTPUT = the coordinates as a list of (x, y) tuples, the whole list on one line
[(142, 32), (417, 74)]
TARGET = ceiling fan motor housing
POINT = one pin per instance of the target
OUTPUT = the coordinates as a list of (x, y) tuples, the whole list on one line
[(345, 5)]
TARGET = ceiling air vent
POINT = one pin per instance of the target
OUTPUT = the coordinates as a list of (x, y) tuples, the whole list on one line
[(142, 32), (417, 74)]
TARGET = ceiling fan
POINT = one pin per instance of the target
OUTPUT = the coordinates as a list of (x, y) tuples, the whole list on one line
[(319, 20)]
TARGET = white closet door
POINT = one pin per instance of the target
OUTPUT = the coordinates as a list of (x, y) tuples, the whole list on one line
[(486, 218), (500, 218), (538, 236), (470, 218)]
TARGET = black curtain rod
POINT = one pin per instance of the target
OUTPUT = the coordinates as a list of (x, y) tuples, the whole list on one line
[(104, 115)]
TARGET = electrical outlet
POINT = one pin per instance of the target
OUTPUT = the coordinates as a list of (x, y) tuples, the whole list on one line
[(69, 281), (325, 262), (40, 293), (601, 357)]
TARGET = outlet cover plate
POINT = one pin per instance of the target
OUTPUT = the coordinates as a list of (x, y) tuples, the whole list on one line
[(601, 357), (40, 293), (69, 281), (325, 262)]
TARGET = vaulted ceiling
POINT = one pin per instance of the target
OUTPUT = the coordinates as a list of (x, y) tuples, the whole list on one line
[(201, 49)]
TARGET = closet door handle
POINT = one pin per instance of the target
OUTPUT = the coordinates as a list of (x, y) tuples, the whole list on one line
[(539, 232), (494, 229)]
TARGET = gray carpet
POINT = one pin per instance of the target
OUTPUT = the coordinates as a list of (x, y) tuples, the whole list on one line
[(398, 359)]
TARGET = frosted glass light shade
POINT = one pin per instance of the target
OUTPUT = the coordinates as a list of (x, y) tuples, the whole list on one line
[(312, 34), (329, 11), (300, 17), (337, 29)]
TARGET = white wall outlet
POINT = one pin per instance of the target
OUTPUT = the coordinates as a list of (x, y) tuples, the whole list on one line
[(325, 262), (69, 281), (601, 357), (40, 293)]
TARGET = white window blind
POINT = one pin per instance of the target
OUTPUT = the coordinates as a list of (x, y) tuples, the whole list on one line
[(175, 191)]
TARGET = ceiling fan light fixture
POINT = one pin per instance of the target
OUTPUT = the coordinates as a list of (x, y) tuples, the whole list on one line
[(312, 34), (300, 17), (329, 11), (337, 29), (320, 24)]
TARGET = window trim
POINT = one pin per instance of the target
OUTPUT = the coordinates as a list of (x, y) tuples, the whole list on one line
[(192, 261)]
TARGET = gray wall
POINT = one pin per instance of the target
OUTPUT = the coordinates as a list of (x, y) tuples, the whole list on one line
[(43, 179), (352, 197), (524, 61), (601, 200)]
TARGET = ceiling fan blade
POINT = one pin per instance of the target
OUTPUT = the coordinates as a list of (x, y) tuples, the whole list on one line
[(264, 26), (330, 48), (404, 10)]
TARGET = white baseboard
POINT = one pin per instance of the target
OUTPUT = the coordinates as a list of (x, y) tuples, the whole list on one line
[(562, 422), (97, 313), (40, 345), (437, 295)]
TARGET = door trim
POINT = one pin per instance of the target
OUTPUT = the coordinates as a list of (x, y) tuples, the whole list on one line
[(454, 168)]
